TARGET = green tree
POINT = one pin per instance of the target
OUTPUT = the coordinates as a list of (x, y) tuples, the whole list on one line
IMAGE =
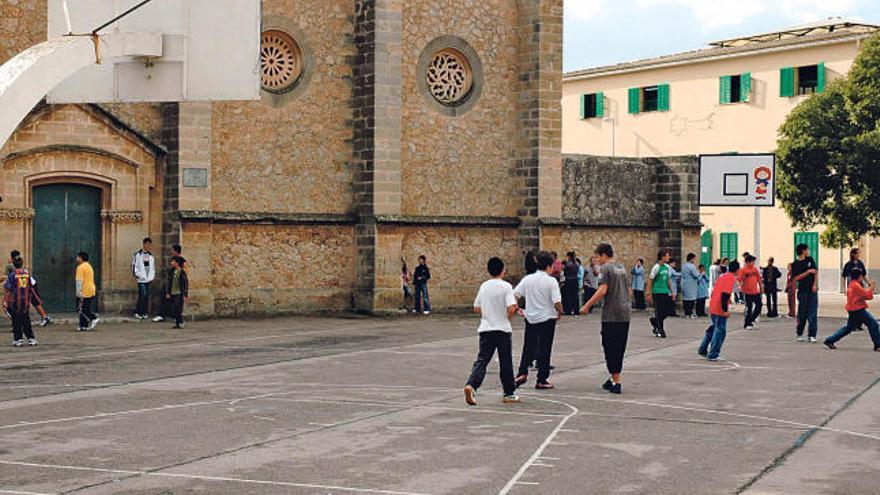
[(829, 155)]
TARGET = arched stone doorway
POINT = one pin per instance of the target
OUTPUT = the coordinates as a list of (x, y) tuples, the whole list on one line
[(67, 220)]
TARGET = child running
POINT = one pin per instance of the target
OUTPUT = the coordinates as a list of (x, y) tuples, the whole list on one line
[(857, 297), (496, 304), (18, 297), (719, 309), (613, 288), (543, 310)]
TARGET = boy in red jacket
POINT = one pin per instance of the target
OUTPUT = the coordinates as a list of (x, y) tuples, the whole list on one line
[(751, 282), (18, 297), (719, 309), (857, 297)]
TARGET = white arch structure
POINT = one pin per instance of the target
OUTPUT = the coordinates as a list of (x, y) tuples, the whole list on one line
[(29, 76)]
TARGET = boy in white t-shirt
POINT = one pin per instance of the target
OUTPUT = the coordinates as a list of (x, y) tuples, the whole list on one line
[(496, 304)]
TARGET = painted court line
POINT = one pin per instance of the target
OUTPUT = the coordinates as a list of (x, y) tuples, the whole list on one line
[(540, 451), (16, 492), (157, 474)]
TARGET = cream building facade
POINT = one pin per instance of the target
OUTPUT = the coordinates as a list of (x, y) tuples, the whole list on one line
[(731, 97)]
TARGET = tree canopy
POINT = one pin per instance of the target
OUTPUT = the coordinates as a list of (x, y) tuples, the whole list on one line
[(829, 155)]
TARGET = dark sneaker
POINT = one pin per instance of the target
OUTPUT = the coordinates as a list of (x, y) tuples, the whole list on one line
[(703, 353), (544, 386), (607, 385), (653, 324), (520, 379), (876, 348), (469, 396), (615, 389), (829, 345), (661, 333)]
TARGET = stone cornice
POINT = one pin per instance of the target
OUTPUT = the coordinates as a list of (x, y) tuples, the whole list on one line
[(122, 216), (17, 214)]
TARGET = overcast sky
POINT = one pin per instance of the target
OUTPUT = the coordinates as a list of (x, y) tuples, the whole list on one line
[(603, 32)]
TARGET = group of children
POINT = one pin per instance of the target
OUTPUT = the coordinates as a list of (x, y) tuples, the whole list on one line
[(497, 302), (21, 293)]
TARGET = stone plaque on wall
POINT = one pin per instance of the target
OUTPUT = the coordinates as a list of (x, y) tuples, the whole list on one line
[(195, 177)]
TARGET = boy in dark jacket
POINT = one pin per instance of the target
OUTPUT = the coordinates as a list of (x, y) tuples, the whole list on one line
[(420, 279), (17, 299), (177, 289)]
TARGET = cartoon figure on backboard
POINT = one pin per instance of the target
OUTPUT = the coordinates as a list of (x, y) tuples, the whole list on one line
[(763, 175)]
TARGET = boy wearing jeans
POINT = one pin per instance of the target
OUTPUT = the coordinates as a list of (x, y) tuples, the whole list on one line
[(543, 309), (496, 304), (719, 309), (613, 288), (804, 272), (857, 297)]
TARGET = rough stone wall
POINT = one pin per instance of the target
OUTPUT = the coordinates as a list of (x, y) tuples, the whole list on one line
[(457, 257), (608, 191), (295, 157), (272, 269), (677, 184), (465, 165), (629, 243), (22, 25)]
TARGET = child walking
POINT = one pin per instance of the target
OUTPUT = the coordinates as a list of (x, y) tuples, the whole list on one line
[(719, 309), (18, 296), (702, 292), (543, 309), (177, 289), (659, 291), (613, 288), (752, 284), (857, 297), (496, 304)]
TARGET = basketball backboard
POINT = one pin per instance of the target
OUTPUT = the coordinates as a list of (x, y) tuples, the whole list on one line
[(738, 180), (210, 51)]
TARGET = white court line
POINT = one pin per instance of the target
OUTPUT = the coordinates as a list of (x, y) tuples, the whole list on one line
[(728, 413), (16, 492), (207, 478), (540, 451)]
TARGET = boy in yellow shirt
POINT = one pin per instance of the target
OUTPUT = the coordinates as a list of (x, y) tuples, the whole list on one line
[(85, 292)]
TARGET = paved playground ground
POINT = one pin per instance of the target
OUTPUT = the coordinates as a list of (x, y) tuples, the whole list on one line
[(358, 405)]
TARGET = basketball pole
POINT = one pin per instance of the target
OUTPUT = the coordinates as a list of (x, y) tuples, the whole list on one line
[(757, 222)]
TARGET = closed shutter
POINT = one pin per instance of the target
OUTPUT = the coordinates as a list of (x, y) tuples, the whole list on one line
[(600, 104), (634, 100), (820, 73), (724, 89), (583, 107), (786, 82), (811, 239), (729, 245), (745, 86), (663, 98)]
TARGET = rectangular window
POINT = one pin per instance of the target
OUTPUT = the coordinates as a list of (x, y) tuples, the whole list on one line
[(591, 105), (650, 98), (735, 89), (804, 80)]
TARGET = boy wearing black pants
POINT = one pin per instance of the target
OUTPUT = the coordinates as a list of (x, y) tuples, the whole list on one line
[(496, 304), (543, 309), (660, 292), (177, 289), (18, 296), (615, 313)]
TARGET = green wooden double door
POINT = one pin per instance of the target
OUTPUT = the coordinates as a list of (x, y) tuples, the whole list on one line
[(67, 220)]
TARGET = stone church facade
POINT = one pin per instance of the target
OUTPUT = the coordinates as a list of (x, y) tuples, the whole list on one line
[(387, 129)]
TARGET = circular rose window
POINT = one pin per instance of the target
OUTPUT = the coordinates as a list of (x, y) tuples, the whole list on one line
[(281, 60), (449, 77)]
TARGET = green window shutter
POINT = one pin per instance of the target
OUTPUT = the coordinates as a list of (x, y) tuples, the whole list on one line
[(786, 82), (729, 245), (745, 86), (583, 107), (811, 239), (663, 97), (600, 104), (634, 100), (724, 89), (820, 71)]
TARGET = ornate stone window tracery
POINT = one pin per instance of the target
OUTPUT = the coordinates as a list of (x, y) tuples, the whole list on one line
[(281, 60), (449, 76)]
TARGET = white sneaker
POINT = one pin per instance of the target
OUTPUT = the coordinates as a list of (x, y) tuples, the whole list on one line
[(159, 318), (17, 343), (426, 312), (32, 342), (94, 323), (801, 339), (813, 340), (510, 399)]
